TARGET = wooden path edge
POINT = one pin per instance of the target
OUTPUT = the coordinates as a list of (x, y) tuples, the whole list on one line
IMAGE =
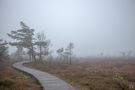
[(46, 80)]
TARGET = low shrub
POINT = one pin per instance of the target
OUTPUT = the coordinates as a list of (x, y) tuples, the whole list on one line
[(6, 82)]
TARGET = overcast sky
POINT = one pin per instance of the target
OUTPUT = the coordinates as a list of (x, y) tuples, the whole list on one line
[(94, 26)]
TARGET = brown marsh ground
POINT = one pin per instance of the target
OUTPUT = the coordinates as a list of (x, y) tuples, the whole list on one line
[(93, 73), (12, 79)]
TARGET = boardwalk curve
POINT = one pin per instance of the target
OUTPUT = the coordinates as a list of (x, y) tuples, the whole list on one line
[(47, 81)]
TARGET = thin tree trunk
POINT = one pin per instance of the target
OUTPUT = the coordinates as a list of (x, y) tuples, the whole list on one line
[(40, 54), (70, 57), (33, 54), (30, 58)]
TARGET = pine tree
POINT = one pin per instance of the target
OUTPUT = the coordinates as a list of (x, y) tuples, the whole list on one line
[(43, 45), (60, 53), (23, 38), (69, 51), (3, 50)]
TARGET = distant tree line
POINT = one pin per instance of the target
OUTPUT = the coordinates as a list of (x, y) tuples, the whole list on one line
[(36, 46), (128, 53)]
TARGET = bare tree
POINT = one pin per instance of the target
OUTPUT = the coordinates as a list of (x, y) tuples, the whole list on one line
[(42, 44)]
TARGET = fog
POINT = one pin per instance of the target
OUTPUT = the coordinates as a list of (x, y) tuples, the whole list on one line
[(94, 26)]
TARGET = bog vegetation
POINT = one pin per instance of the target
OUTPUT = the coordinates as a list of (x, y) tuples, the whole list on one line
[(93, 73), (99, 74)]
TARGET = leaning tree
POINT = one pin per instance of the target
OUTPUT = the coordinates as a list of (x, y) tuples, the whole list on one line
[(24, 38)]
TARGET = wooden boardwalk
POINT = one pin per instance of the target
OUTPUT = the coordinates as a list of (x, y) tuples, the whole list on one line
[(47, 81)]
